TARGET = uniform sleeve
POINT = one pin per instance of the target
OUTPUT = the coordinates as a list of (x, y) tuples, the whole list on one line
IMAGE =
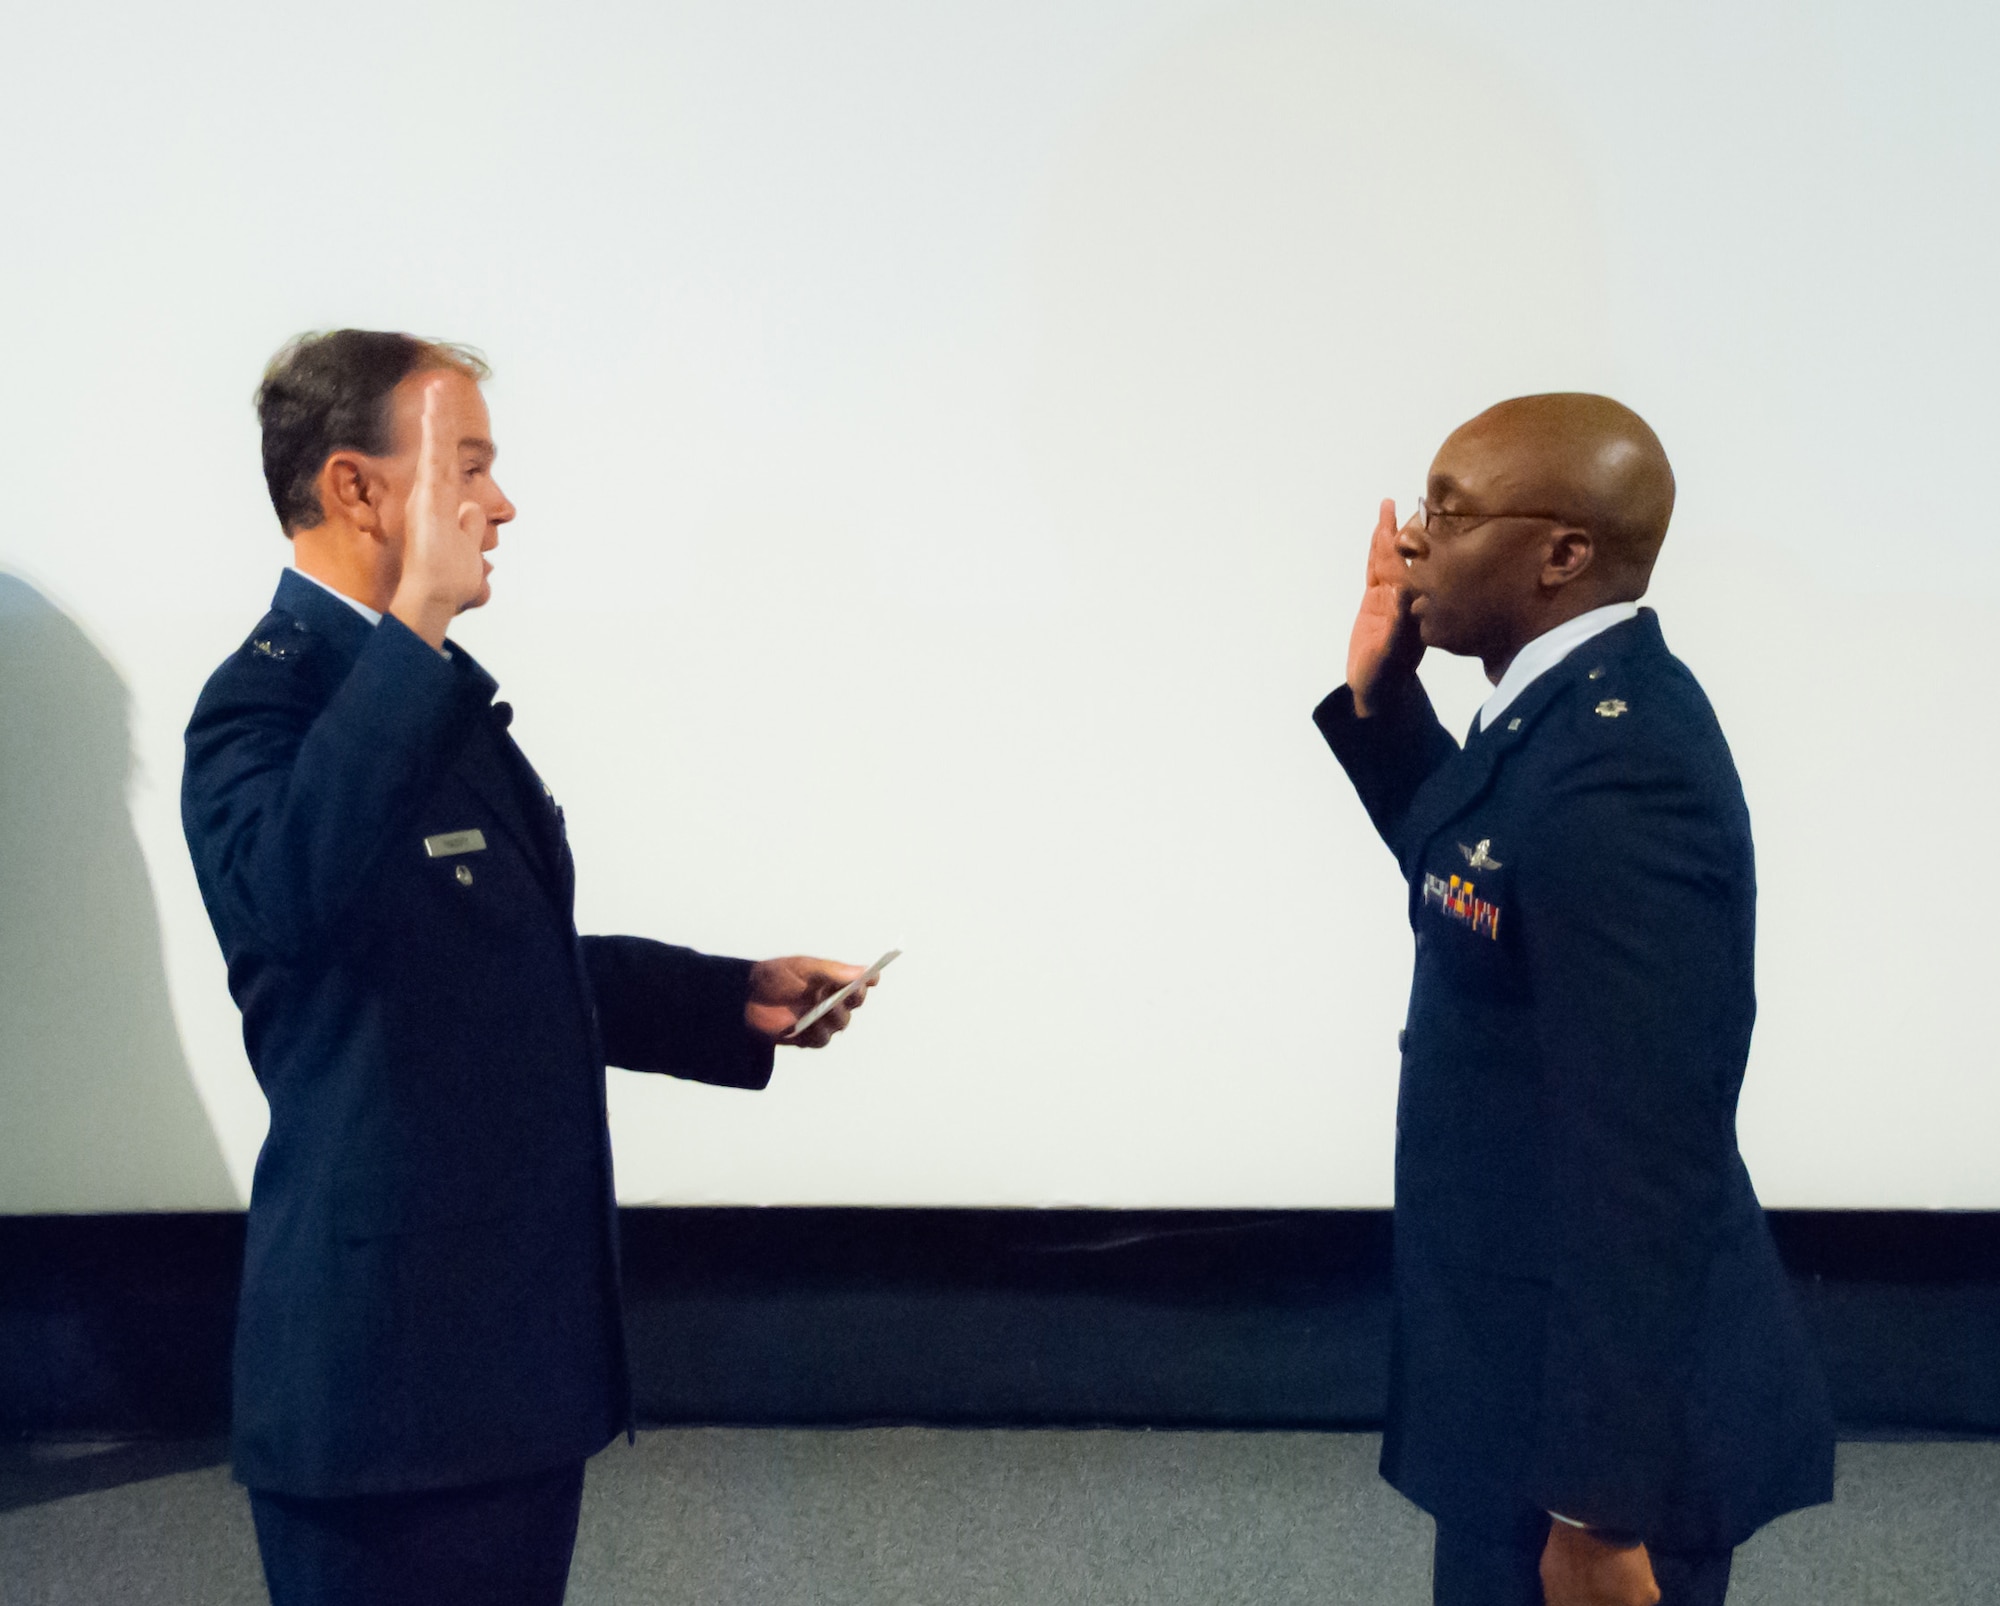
[(673, 1010), (1387, 756), (290, 797), (1637, 922)]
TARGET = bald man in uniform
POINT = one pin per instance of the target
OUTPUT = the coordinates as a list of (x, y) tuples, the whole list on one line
[(1599, 1385)]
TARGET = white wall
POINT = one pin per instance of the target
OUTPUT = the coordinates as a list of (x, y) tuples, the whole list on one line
[(946, 436)]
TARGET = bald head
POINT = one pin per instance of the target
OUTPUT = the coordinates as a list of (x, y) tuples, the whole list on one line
[(1585, 459), (1541, 509)]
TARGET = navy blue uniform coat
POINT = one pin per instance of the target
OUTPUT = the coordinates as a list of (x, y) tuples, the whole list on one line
[(1590, 1314), (430, 1287)]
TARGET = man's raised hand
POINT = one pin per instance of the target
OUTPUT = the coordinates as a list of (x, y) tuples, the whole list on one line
[(444, 535), (1385, 646)]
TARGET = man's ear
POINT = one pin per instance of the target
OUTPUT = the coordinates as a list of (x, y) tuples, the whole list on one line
[(350, 489), (1571, 552)]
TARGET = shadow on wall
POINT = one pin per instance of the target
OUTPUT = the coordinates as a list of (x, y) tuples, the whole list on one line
[(97, 1109)]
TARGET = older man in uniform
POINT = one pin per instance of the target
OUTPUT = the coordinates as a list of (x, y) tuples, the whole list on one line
[(429, 1341), (1599, 1385)]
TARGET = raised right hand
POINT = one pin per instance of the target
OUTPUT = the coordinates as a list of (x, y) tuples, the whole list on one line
[(444, 567), (1385, 646)]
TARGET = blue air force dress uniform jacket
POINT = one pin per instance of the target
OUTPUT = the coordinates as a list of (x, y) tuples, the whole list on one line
[(430, 1285), (1590, 1314)]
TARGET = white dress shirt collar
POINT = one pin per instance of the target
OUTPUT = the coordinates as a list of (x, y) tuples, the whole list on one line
[(361, 608), (1547, 650)]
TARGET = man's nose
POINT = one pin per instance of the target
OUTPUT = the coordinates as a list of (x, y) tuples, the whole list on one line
[(1410, 544)]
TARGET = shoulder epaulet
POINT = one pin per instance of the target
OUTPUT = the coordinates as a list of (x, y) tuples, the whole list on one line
[(1627, 709), (279, 638), (1601, 694)]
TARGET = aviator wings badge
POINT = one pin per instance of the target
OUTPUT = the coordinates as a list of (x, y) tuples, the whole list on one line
[(1478, 857)]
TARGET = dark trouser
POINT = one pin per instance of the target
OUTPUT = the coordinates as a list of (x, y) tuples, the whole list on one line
[(1467, 1570), (495, 1544)]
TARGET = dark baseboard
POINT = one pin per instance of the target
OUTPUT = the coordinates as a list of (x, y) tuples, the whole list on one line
[(120, 1325)]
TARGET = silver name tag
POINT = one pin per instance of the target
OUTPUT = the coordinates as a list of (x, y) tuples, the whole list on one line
[(447, 843)]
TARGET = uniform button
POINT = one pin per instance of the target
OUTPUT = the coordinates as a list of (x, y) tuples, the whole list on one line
[(465, 875), (1402, 1042)]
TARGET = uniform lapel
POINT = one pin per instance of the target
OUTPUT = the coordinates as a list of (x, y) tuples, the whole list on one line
[(1451, 789), (1456, 786), (480, 767), (495, 769), (537, 804)]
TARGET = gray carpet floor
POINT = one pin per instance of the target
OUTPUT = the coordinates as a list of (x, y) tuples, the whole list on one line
[(919, 1517)]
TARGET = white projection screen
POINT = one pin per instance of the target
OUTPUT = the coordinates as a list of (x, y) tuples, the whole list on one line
[(946, 435)]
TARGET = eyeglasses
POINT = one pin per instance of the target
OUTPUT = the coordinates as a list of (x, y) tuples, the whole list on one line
[(1427, 515)]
